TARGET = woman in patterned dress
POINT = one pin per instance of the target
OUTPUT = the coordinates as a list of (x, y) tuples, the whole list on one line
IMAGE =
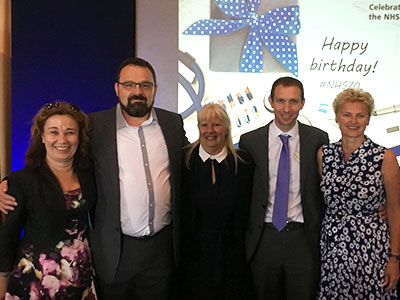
[(359, 250), (55, 193)]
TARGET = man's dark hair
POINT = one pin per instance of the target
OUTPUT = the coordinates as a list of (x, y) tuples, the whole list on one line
[(286, 82), (136, 61)]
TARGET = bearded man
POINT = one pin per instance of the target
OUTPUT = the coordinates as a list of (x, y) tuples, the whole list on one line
[(137, 153)]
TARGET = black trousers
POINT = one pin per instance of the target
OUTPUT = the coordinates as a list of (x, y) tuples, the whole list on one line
[(144, 271), (284, 267)]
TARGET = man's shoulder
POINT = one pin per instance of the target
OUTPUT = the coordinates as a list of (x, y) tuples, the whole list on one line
[(256, 132), (168, 117), (102, 117), (102, 113), (161, 111), (311, 129)]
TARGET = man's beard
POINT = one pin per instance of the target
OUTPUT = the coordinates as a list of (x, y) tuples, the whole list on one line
[(136, 108)]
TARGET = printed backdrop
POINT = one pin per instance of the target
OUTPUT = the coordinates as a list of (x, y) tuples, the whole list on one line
[(233, 50)]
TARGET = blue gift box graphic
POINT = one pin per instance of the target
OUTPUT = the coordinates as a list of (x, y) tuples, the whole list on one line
[(271, 29)]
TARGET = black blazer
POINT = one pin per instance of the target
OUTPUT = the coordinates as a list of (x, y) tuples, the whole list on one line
[(106, 237), (41, 211), (256, 142)]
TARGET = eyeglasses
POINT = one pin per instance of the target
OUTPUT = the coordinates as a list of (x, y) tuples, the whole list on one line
[(130, 85), (52, 105)]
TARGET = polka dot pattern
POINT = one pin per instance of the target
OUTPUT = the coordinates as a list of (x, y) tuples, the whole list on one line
[(275, 27), (271, 29), (355, 240)]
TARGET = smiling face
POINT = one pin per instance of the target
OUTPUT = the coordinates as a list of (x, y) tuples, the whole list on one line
[(135, 100), (61, 139), (287, 103), (213, 134), (352, 118)]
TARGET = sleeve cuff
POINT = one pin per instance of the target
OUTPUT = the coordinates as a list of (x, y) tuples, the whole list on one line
[(4, 274)]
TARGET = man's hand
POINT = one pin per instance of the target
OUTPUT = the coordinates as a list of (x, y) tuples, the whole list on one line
[(7, 202)]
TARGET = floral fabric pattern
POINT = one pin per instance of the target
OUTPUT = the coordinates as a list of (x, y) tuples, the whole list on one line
[(65, 272), (355, 241)]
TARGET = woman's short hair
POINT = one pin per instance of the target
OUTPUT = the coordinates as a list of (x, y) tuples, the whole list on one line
[(36, 153), (353, 95)]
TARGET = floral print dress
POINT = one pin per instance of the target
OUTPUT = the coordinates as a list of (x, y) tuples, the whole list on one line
[(355, 241), (65, 272)]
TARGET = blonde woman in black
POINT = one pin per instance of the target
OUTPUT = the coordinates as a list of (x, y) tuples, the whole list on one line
[(217, 185)]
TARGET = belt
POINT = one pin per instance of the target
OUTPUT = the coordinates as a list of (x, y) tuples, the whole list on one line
[(290, 226), (145, 237)]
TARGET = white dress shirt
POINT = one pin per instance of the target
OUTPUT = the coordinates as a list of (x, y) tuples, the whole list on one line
[(295, 211), (143, 175)]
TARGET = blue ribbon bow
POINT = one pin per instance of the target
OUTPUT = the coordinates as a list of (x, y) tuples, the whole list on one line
[(272, 29)]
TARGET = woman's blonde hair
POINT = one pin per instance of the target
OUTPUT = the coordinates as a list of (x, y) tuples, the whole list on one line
[(353, 95), (208, 112)]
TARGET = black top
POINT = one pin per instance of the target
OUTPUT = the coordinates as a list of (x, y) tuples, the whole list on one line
[(214, 225), (41, 211)]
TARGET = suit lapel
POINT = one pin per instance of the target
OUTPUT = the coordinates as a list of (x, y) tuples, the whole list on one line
[(108, 138), (170, 136), (264, 142), (261, 154), (304, 154)]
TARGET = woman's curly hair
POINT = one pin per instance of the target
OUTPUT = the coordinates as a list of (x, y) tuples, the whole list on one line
[(36, 153)]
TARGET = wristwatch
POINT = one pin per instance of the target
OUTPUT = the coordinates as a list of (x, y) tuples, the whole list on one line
[(396, 256)]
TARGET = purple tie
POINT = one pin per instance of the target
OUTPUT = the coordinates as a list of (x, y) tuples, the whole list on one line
[(279, 216)]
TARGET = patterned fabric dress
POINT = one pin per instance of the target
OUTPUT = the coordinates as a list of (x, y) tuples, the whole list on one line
[(64, 272), (355, 240)]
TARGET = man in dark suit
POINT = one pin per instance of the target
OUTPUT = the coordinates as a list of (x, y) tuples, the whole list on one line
[(137, 151), (285, 261)]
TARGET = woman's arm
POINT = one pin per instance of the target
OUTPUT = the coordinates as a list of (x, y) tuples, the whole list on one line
[(3, 286), (319, 161), (391, 178), (10, 230)]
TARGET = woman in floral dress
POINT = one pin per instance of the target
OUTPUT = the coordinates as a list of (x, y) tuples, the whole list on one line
[(360, 251), (55, 193)]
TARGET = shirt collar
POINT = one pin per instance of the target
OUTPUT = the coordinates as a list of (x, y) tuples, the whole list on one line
[(218, 157), (121, 122), (275, 131)]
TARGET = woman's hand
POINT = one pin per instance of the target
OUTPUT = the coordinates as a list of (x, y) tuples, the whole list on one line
[(391, 274)]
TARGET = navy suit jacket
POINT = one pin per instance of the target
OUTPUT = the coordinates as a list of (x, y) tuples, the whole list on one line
[(106, 237), (256, 142)]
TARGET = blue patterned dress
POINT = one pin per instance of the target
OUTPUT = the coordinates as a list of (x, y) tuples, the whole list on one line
[(355, 241)]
